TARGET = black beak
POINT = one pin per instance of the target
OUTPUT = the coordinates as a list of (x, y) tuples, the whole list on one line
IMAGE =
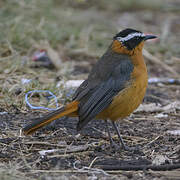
[(149, 36)]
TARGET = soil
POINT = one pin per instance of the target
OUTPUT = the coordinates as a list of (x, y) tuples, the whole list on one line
[(142, 129)]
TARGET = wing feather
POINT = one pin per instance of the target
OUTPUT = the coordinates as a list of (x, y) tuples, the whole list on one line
[(96, 93)]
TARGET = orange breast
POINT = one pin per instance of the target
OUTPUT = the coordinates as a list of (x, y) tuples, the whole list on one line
[(127, 100)]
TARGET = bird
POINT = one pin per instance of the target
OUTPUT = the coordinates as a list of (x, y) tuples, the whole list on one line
[(114, 88)]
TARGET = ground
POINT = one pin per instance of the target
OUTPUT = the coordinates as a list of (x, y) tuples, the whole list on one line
[(75, 34)]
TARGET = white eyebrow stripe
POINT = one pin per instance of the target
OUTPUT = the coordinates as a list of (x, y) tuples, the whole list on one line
[(130, 36)]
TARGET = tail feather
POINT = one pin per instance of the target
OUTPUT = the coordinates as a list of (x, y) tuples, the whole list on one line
[(40, 122)]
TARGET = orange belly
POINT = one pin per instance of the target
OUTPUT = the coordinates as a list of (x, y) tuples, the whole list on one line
[(126, 101)]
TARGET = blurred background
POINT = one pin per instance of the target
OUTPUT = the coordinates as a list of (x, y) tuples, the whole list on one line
[(74, 34)]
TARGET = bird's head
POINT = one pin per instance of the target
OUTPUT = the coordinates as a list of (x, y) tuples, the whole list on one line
[(130, 39)]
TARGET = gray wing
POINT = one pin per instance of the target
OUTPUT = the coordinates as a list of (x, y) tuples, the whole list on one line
[(95, 94)]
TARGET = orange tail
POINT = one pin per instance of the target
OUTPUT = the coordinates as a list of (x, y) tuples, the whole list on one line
[(68, 110)]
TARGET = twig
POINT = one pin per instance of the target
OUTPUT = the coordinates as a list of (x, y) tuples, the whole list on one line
[(140, 167), (89, 170), (165, 101), (157, 61), (93, 162), (165, 30), (153, 140), (135, 138), (70, 154), (44, 143), (8, 57), (117, 169), (62, 151), (58, 171), (85, 170)]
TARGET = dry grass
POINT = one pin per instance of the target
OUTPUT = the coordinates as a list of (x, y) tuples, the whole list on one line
[(78, 31)]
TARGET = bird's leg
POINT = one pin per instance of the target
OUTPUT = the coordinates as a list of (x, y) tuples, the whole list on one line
[(126, 148), (109, 134)]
